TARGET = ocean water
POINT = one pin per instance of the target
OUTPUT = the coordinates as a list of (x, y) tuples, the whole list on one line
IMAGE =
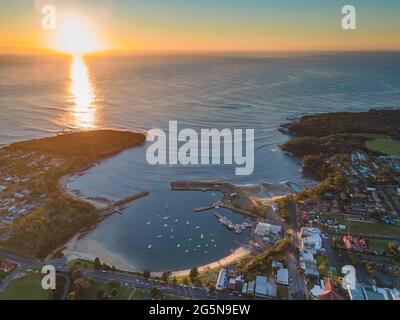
[(40, 96)]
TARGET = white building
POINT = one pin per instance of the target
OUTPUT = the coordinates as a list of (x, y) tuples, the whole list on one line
[(282, 277), (263, 229), (222, 281)]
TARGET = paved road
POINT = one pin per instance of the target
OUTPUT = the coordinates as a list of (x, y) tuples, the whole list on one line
[(391, 200), (298, 287), (168, 288)]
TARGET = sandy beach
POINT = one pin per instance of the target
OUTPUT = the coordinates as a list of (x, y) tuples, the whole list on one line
[(75, 249), (63, 185)]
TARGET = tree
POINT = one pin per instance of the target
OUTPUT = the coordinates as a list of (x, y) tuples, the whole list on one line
[(100, 294), (146, 274), (185, 281), (114, 292), (165, 276), (174, 281), (155, 292), (194, 272), (97, 264)]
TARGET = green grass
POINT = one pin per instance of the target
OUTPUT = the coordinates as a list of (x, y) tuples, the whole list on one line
[(323, 265), (28, 287), (384, 145), (123, 292), (282, 293), (377, 229), (378, 245)]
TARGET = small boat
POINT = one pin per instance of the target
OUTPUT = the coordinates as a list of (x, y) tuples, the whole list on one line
[(207, 245), (150, 246), (187, 251), (201, 236), (171, 237), (165, 218), (178, 246), (165, 225), (159, 236), (172, 230), (212, 240), (205, 252), (176, 220), (197, 227), (187, 222), (198, 246), (215, 246), (190, 239), (148, 223), (194, 250)]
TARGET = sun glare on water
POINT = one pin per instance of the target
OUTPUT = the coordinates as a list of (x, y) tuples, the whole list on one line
[(82, 95)]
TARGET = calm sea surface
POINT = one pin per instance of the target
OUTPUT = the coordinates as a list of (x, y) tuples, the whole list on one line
[(40, 96)]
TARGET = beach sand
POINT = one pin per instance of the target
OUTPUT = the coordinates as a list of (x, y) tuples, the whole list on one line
[(89, 250)]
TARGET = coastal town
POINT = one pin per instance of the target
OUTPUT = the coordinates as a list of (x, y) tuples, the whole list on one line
[(303, 239)]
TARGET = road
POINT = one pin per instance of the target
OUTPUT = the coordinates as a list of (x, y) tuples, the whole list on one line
[(135, 281), (298, 286), (391, 200), (138, 282)]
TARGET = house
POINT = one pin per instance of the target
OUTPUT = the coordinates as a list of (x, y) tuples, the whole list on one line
[(232, 284), (328, 293), (7, 267), (275, 208), (222, 281), (282, 277), (310, 268), (251, 287)]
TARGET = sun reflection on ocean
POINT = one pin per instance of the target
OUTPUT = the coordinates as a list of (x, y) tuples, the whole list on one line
[(82, 95)]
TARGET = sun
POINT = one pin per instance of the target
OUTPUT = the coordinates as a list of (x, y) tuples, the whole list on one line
[(76, 35)]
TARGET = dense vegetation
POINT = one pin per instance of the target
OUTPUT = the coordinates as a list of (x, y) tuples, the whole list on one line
[(58, 216), (328, 145), (374, 121)]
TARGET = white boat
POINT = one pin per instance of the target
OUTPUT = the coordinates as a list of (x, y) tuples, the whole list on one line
[(150, 246), (207, 245), (190, 239), (159, 236), (165, 225), (176, 220), (178, 246), (187, 251), (197, 227), (198, 246), (187, 222), (202, 236), (148, 223), (194, 250), (205, 252), (215, 246), (171, 237), (172, 230), (165, 218), (212, 240)]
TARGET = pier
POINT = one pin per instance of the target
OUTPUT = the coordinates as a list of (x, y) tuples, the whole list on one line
[(119, 205), (233, 197)]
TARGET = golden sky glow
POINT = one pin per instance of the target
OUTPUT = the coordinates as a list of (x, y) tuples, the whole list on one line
[(200, 25)]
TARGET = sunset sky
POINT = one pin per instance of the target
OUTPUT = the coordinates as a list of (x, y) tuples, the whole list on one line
[(204, 25)]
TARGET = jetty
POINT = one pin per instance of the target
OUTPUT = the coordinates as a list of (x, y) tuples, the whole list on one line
[(233, 197), (119, 205)]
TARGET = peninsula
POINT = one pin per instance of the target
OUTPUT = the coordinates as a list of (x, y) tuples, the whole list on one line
[(37, 216)]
